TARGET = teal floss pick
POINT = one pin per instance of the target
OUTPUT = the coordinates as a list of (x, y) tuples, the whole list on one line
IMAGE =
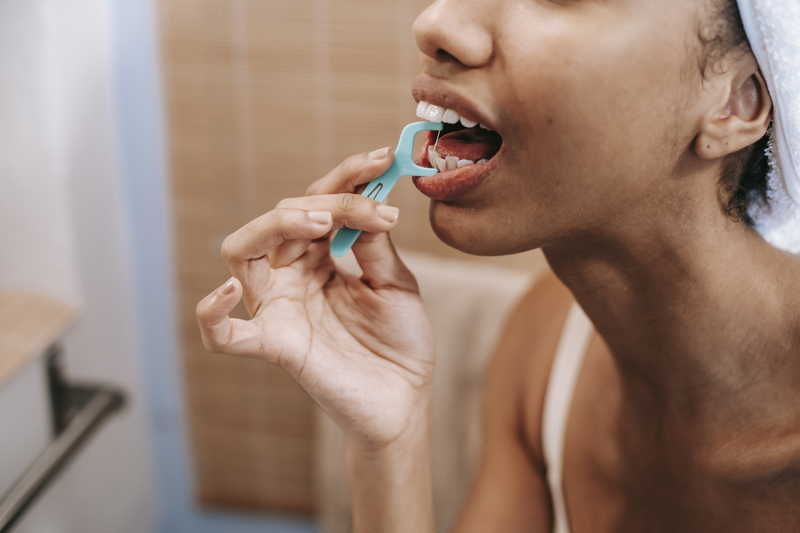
[(379, 188)]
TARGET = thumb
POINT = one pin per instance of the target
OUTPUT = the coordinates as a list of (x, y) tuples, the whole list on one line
[(381, 265)]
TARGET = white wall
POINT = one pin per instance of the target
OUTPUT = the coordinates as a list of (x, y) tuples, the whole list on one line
[(62, 230), (35, 226)]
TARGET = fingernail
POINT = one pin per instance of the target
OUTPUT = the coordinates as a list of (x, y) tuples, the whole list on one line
[(380, 154), (228, 288), (388, 213), (320, 217)]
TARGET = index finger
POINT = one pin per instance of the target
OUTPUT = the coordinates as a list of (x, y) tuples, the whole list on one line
[(262, 235), (354, 171)]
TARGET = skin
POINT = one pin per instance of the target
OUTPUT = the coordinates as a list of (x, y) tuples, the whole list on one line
[(685, 416)]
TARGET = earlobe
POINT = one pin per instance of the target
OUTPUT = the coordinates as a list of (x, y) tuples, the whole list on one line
[(744, 117)]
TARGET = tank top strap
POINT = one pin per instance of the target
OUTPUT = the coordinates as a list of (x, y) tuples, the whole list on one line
[(564, 373)]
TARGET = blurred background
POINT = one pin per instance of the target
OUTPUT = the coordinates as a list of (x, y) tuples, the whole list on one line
[(136, 135)]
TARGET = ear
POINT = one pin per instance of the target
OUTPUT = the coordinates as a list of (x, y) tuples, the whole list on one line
[(742, 113)]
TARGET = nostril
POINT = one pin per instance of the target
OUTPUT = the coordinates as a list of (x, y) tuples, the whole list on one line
[(444, 56)]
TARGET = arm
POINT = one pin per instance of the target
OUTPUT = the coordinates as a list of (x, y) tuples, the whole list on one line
[(391, 487), (362, 347)]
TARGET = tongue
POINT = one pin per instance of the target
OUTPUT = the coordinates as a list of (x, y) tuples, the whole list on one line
[(473, 144)]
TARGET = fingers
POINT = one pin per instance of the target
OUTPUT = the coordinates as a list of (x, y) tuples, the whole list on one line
[(245, 251), (381, 266), (351, 210), (288, 231), (264, 234), (221, 334), (354, 171), (288, 252), (374, 251)]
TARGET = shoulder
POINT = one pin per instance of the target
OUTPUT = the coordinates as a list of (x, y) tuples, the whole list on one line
[(510, 492), (519, 370)]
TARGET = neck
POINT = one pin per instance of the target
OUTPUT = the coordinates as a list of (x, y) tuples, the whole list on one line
[(696, 318)]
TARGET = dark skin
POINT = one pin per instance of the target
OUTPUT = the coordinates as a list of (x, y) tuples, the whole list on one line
[(686, 415), (632, 461)]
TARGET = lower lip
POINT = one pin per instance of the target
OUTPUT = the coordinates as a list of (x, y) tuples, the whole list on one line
[(450, 185)]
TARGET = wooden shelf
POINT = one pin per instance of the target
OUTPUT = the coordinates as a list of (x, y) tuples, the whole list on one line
[(29, 324)]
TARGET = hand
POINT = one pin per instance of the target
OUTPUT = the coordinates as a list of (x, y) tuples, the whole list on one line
[(361, 347)]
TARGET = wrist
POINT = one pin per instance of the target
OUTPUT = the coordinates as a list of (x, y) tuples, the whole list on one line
[(391, 483), (414, 433)]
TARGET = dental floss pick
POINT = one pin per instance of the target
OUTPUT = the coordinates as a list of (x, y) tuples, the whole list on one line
[(379, 188)]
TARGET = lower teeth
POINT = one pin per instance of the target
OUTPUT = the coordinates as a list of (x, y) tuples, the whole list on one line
[(450, 162)]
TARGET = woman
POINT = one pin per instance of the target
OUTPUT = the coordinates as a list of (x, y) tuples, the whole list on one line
[(626, 139)]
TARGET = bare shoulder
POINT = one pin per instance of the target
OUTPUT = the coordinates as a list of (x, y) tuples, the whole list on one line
[(523, 359), (510, 493)]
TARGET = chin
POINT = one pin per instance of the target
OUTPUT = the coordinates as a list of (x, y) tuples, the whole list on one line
[(476, 232)]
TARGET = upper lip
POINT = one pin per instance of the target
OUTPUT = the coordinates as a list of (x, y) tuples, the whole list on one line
[(436, 92)]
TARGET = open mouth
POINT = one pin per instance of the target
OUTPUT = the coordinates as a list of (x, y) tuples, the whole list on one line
[(462, 142)]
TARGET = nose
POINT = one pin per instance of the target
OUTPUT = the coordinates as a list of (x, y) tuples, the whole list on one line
[(457, 30)]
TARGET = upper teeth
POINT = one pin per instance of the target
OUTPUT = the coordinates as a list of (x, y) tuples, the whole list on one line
[(435, 113)]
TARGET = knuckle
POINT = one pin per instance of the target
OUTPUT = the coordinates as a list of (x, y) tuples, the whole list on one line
[(283, 218), (352, 169), (348, 202), (283, 204), (204, 336), (228, 249), (212, 344), (207, 343), (353, 165), (200, 310)]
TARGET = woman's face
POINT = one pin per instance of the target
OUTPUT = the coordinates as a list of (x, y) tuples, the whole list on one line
[(593, 100)]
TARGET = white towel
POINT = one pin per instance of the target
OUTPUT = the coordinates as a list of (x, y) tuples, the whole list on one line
[(773, 29)]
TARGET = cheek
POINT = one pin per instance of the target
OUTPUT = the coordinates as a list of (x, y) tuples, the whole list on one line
[(593, 124), (597, 110)]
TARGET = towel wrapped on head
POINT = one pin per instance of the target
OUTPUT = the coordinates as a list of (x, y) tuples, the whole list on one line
[(773, 30)]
